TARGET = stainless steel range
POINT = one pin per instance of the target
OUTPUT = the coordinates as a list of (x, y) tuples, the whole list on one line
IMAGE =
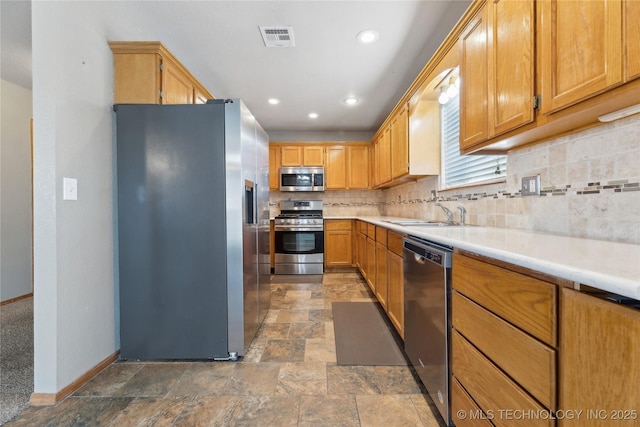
[(299, 237)]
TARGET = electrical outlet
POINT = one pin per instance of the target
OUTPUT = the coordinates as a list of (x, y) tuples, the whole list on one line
[(531, 185)]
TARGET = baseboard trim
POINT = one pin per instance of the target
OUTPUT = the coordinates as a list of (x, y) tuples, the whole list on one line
[(48, 399), (9, 301)]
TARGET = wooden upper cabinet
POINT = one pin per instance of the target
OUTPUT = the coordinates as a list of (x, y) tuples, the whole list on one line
[(632, 38), (400, 143), (291, 155), (147, 73), (313, 156), (581, 50), (384, 156), (136, 78), (176, 87), (336, 168), (274, 168), (199, 97), (474, 123), (511, 67), (358, 167), (347, 167), (301, 155), (374, 171), (497, 71)]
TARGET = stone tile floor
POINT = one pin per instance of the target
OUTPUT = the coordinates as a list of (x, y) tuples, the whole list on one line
[(288, 377)]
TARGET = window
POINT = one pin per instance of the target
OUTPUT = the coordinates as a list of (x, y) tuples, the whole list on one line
[(457, 170)]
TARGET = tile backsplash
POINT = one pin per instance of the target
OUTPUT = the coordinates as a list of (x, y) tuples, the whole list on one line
[(590, 188)]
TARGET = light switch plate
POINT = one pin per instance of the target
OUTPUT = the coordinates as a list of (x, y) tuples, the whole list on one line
[(69, 189), (531, 185)]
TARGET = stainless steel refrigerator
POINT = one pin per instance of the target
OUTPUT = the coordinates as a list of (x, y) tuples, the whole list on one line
[(193, 229)]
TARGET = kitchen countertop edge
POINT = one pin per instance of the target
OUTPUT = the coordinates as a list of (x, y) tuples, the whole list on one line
[(608, 266)]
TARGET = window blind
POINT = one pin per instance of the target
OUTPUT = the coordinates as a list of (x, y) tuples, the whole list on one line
[(460, 170)]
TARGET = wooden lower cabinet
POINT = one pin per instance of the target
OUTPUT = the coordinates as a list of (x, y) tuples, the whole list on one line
[(371, 264), (381, 274), (362, 254), (464, 411), (491, 388), (504, 342), (525, 359), (395, 286), (599, 361), (379, 259), (338, 238)]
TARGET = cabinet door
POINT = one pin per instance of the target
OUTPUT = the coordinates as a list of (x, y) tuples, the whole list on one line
[(291, 155), (474, 123), (400, 144), (371, 264), (176, 87), (136, 78), (336, 168), (362, 254), (381, 274), (358, 167), (199, 97), (274, 168), (313, 156), (384, 156), (511, 48), (581, 50), (337, 250), (632, 38), (599, 368), (395, 297), (374, 173)]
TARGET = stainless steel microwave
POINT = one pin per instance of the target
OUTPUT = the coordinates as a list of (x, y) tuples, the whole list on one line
[(302, 179)]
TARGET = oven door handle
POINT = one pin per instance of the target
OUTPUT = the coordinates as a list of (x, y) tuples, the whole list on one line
[(298, 228)]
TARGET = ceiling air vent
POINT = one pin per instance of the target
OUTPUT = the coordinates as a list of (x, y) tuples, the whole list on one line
[(277, 36)]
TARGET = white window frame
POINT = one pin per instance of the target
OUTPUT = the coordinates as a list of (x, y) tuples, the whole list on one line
[(464, 170)]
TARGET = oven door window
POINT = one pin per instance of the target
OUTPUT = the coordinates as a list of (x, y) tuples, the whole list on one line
[(299, 242), (296, 179)]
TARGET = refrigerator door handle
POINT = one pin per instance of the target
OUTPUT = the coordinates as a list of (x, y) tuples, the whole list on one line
[(255, 204), (250, 198)]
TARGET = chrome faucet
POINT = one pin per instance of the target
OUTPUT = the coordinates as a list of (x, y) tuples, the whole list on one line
[(463, 213), (446, 211)]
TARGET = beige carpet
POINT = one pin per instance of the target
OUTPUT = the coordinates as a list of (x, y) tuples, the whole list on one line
[(16, 357), (364, 337)]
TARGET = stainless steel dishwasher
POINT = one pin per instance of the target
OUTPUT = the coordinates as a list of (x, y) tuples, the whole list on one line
[(427, 296)]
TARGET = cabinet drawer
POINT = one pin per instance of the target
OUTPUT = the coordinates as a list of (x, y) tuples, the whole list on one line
[(461, 403), (525, 359), (491, 388), (381, 235), (371, 231), (394, 242), (527, 302), (337, 224)]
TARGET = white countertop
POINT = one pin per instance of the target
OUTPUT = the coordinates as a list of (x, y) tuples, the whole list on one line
[(609, 266)]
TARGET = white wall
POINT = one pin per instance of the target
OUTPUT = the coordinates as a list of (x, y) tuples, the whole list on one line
[(15, 191), (74, 310)]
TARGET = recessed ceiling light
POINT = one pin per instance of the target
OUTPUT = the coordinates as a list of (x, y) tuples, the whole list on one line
[(367, 36), (351, 101), (313, 115), (274, 101)]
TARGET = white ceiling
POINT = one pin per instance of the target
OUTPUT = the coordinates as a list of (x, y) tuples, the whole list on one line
[(220, 43)]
